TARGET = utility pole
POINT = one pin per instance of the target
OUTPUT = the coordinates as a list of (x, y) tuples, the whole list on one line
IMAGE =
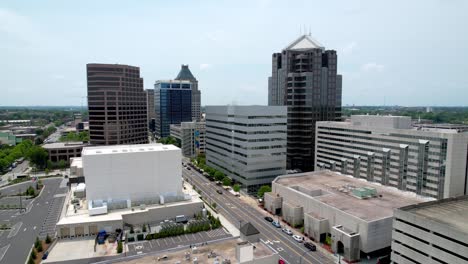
[(21, 202)]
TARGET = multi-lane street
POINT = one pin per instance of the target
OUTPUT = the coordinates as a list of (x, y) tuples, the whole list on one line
[(38, 220), (239, 212)]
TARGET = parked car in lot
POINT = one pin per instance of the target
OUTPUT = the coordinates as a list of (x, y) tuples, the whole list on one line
[(287, 231), (276, 224), (269, 219), (298, 238), (310, 246), (46, 254)]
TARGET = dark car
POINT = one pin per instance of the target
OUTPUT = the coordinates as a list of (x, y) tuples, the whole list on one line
[(269, 219), (310, 246), (46, 254), (219, 191), (384, 260)]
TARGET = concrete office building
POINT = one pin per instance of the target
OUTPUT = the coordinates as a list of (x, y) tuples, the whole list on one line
[(116, 104), (304, 78), (356, 215), (432, 232), (186, 75), (9, 139), (150, 109), (172, 104), (388, 150), (191, 136), (64, 150), (247, 143)]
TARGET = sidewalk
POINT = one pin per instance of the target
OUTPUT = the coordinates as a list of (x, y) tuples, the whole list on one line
[(232, 229)]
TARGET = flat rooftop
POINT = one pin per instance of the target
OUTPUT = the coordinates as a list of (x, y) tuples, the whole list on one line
[(62, 145), (224, 250), (335, 189), (114, 149), (451, 211)]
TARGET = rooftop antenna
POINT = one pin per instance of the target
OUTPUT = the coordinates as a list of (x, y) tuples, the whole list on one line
[(310, 29)]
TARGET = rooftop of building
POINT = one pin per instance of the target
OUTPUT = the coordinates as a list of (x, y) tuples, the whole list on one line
[(62, 145), (172, 81), (185, 74), (223, 249), (81, 215), (115, 149), (349, 194), (452, 212), (398, 122), (304, 42)]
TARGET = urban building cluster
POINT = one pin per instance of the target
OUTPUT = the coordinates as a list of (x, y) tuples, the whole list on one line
[(364, 185)]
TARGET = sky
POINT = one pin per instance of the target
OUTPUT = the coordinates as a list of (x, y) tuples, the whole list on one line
[(409, 53)]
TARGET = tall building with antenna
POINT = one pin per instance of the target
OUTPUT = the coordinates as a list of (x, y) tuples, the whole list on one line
[(304, 78)]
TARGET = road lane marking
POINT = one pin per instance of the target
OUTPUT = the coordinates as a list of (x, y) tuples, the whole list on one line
[(3, 251), (34, 228)]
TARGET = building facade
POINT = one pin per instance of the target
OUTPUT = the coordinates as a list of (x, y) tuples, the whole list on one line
[(186, 75), (172, 104), (191, 136), (132, 174), (388, 150), (64, 151), (247, 143), (150, 109), (431, 232), (353, 216), (116, 104), (304, 78)]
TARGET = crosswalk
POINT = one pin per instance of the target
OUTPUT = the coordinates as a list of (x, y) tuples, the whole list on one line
[(216, 233)]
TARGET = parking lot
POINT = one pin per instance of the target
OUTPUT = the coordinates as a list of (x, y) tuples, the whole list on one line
[(53, 214), (195, 239)]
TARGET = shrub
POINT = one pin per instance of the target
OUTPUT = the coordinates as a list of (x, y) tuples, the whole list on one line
[(214, 205), (37, 242), (39, 248), (119, 247), (31, 261), (236, 187), (33, 254), (48, 240)]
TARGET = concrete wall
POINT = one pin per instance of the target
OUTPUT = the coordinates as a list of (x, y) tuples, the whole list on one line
[(159, 214), (134, 175), (109, 226)]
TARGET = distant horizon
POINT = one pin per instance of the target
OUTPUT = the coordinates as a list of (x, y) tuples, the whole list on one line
[(78, 106)]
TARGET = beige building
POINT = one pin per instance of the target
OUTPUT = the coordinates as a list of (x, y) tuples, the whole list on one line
[(430, 161), (64, 150), (354, 215), (191, 136)]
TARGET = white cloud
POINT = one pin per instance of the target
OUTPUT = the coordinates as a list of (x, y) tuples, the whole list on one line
[(349, 48), (372, 67), (205, 66)]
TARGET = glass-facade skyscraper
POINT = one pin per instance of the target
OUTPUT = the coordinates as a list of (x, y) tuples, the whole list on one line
[(172, 104)]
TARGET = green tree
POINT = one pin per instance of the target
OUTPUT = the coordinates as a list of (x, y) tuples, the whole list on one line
[(227, 181), (48, 239), (37, 242), (219, 176), (38, 156), (119, 247), (33, 254), (263, 190), (236, 187), (39, 248), (214, 205)]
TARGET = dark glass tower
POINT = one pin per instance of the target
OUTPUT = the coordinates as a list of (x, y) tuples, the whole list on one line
[(172, 104), (116, 104), (304, 77)]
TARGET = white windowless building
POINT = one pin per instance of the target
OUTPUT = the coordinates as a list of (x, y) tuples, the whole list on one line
[(247, 143)]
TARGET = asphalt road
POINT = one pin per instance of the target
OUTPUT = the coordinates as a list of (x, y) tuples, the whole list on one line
[(239, 212), (39, 219), (13, 173)]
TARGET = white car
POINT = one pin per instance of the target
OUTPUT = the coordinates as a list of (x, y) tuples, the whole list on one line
[(287, 231), (298, 238)]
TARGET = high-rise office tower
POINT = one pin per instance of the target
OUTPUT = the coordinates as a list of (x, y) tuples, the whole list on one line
[(116, 104), (304, 77), (186, 75), (172, 104), (150, 109)]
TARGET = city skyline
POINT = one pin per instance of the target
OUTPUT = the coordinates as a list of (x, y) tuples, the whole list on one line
[(423, 48)]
